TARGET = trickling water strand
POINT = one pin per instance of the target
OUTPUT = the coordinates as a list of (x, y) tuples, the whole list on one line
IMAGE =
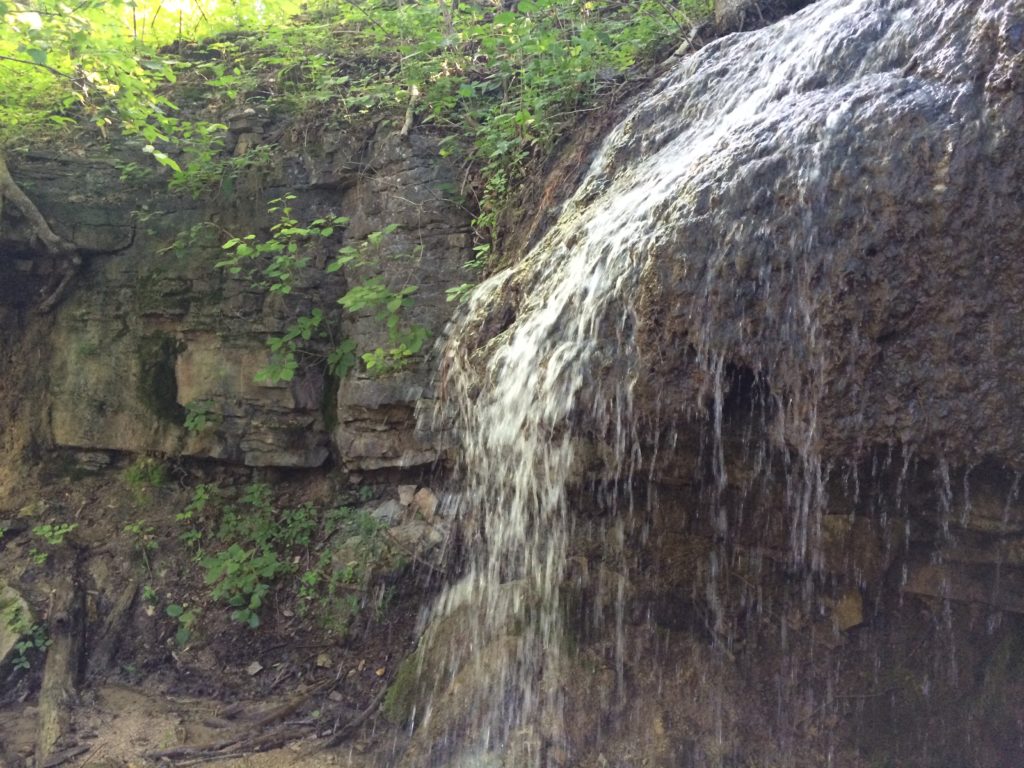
[(550, 345), (517, 459)]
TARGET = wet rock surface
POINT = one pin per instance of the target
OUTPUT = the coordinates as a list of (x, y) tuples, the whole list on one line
[(778, 409), (860, 256)]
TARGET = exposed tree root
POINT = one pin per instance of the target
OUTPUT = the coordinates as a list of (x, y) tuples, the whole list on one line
[(53, 243), (53, 296), (349, 728), (233, 748), (60, 673), (113, 630), (262, 743), (410, 111), (281, 712), (59, 758), (10, 191), (258, 740), (198, 750)]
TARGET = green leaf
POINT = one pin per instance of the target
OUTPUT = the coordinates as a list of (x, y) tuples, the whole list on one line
[(38, 55), (415, 345), (162, 158), (459, 292)]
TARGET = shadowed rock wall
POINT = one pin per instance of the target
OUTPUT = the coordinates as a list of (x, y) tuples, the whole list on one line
[(151, 331)]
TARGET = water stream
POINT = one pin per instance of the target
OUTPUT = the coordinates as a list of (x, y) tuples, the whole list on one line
[(732, 167)]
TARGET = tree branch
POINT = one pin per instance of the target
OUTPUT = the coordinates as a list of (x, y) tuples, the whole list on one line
[(9, 190), (47, 67), (55, 244)]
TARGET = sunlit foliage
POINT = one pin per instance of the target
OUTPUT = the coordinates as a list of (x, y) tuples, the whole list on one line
[(499, 80)]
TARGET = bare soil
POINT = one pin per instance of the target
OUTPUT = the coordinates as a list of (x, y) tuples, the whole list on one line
[(273, 696)]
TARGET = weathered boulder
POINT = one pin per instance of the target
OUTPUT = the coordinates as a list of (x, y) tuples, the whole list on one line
[(727, 11), (388, 513)]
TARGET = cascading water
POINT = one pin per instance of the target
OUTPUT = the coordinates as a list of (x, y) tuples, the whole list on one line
[(731, 177)]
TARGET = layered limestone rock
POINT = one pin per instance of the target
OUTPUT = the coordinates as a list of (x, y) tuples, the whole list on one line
[(152, 335)]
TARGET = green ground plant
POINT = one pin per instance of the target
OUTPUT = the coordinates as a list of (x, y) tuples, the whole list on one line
[(248, 546), (190, 518), (51, 536), (186, 619), (144, 540), (336, 588), (54, 533), (34, 641), (142, 475)]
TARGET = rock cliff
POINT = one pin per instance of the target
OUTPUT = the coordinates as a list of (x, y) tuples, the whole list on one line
[(151, 329), (737, 445)]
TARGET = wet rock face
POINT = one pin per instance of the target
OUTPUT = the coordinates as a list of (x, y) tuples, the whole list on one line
[(767, 364), (861, 251), (153, 334), (840, 285)]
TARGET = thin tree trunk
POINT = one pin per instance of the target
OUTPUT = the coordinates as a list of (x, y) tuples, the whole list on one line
[(54, 244), (10, 191), (60, 673)]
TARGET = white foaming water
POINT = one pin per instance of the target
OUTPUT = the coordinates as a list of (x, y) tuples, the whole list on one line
[(567, 357)]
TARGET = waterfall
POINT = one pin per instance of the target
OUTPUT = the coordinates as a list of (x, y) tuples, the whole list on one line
[(729, 175)]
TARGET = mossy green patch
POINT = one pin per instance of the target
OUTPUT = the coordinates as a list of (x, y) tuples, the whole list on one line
[(404, 692)]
